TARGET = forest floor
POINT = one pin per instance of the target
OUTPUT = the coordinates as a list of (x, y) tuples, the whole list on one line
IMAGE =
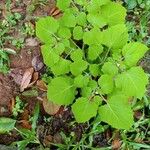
[(23, 83)]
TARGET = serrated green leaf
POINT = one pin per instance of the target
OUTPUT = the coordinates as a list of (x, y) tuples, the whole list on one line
[(6, 124), (117, 112), (110, 68), (132, 82), (61, 67), (93, 37), (64, 32), (46, 28), (84, 109), (133, 52), (77, 33), (77, 55), (81, 81), (81, 19), (114, 13), (61, 90), (78, 67), (68, 19), (94, 70), (49, 56), (63, 5), (115, 37), (106, 83), (94, 51)]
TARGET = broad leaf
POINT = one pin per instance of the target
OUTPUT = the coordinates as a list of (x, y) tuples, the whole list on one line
[(106, 83), (77, 55), (133, 52), (110, 68), (117, 112), (94, 70), (6, 124), (132, 82), (61, 91), (64, 32), (81, 19), (78, 67), (94, 51), (115, 37), (84, 109), (63, 5), (114, 13), (81, 81), (46, 28), (49, 56), (77, 33)]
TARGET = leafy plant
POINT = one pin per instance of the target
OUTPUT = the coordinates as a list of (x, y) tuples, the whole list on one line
[(93, 64)]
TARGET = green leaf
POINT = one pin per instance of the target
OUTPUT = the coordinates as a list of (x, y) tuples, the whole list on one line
[(68, 19), (94, 36), (81, 2), (49, 56), (117, 112), (84, 109), (46, 28), (94, 69), (77, 55), (81, 81), (115, 37), (77, 33), (59, 48), (132, 82), (110, 68), (81, 19), (114, 13), (78, 67), (96, 20), (106, 83), (6, 124), (94, 51), (61, 90), (63, 5), (133, 52), (61, 67), (64, 32)]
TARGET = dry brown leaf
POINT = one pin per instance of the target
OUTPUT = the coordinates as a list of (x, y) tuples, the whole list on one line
[(26, 79), (41, 85), (116, 144), (34, 78), (50, 107)]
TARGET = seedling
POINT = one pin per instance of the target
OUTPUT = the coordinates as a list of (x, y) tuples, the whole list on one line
[(93, 63)]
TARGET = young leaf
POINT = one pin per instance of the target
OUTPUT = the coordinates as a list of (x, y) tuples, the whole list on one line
[(61, 90), (77, 33), (64, 32), (115, 37), (68, 19), (63, 5), (132, 82), (6, 124), (92, 37), (117, 112), (106, 83), (77, 55), (114, 13), (94, 51), (132, 52), (94, 69), (78, 67), (110, 68), (61, 67), (81, 19), (84, 109), (81, 81), (46, 28), (49, 56)]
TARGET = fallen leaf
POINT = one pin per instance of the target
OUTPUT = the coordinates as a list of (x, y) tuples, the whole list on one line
[(37, 63), (55, 12), (41, 85), (50, 107), (116, 144), (26, 79), (25, 124), (34, 78)]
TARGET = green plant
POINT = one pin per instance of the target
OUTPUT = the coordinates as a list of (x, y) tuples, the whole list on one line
[(92, 62)]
